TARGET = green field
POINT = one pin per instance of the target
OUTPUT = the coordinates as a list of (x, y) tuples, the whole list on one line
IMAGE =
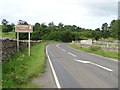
[(98, 52), (12, 35), (21, 68)]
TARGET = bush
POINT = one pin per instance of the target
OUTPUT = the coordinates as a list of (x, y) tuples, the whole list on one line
[(95, 48)]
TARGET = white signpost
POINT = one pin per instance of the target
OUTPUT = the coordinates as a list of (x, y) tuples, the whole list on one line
[(23, 29)]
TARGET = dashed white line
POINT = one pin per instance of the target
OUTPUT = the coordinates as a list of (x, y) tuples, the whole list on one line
[(58, 45), (72, 54), (63, 49), (53, 70), (96, 55), (82, 61)]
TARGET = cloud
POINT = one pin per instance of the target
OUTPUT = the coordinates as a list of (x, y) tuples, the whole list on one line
[(84, 13)]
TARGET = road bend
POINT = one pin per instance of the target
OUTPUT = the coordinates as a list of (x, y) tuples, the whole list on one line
[(78, 69)]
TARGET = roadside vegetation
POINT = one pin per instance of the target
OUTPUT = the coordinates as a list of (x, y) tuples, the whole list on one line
[(98, 51), (65, 33), (21, 68)]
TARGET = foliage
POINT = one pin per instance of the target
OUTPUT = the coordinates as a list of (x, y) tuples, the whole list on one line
[(66, 33), (115, 29), (7, 27)]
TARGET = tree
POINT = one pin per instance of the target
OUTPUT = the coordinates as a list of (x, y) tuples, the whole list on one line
[(51, 24), (36, 27), (97, 29), (115, 32), (60, 25), (21, 22), (4, 22), (104, 26), (105, 33)]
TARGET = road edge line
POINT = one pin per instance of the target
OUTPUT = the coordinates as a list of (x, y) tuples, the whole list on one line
[(53, 70)]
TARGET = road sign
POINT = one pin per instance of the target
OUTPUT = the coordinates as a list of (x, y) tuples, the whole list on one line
[(24, 28)]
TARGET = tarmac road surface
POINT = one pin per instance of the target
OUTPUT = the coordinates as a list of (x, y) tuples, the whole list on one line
[(77, 69)]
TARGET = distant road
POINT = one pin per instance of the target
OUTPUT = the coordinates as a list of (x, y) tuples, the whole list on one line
[(78, 69)]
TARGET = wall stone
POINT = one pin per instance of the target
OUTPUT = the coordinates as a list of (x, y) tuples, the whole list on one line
[(9, 47)]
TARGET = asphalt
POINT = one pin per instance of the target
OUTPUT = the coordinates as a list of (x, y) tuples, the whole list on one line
[(78, 69)]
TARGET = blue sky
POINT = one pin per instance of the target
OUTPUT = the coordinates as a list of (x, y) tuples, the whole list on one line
[(89, 14)]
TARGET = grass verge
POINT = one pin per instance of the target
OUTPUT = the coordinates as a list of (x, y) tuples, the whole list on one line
[(98, 52), (21, 68)]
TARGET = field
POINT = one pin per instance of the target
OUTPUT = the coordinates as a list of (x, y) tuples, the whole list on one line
[(12, 35)]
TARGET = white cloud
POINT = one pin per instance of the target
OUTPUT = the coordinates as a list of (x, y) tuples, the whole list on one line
[(84, 13)]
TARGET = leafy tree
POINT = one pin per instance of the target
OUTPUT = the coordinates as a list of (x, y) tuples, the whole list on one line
[(51, 24), (6, 27), (97, 29), (115, 32), (21, 22), (104, 26), (105, 33), (60, 25), (4, 22)]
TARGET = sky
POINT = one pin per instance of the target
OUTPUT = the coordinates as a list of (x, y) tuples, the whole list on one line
[(89, 14)]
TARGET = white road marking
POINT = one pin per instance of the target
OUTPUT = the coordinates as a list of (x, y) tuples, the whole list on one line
[(63, 49), (58, 45), (53, 70), (71, 54), (82, 61)]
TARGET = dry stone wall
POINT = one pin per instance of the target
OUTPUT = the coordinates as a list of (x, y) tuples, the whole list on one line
[(9, 47), (104, 48)]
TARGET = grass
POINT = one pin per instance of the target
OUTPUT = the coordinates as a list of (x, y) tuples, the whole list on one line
[(2, 34), (21, 68), (12, 35), (98, 52)]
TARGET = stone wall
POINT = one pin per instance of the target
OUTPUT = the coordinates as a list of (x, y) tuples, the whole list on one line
[(9, 47), (104, 48)]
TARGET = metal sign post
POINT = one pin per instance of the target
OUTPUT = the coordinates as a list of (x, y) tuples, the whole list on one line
[(24, 28)]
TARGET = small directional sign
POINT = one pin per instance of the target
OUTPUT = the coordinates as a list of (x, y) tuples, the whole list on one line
[(24, 28)]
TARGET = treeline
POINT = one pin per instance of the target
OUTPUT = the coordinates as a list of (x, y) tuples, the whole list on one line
[(67, 33)]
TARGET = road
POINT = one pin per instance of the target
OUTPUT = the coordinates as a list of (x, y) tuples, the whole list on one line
[(77, 69)]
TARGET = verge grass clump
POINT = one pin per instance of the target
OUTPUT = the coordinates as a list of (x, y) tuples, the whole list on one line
[(95, 48)]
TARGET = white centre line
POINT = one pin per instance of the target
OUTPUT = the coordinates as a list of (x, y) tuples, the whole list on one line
[(72, 54), (82, 61)]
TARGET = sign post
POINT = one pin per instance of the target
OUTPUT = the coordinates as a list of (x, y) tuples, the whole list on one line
[(18, 41), (24, 29), (29, 45)]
